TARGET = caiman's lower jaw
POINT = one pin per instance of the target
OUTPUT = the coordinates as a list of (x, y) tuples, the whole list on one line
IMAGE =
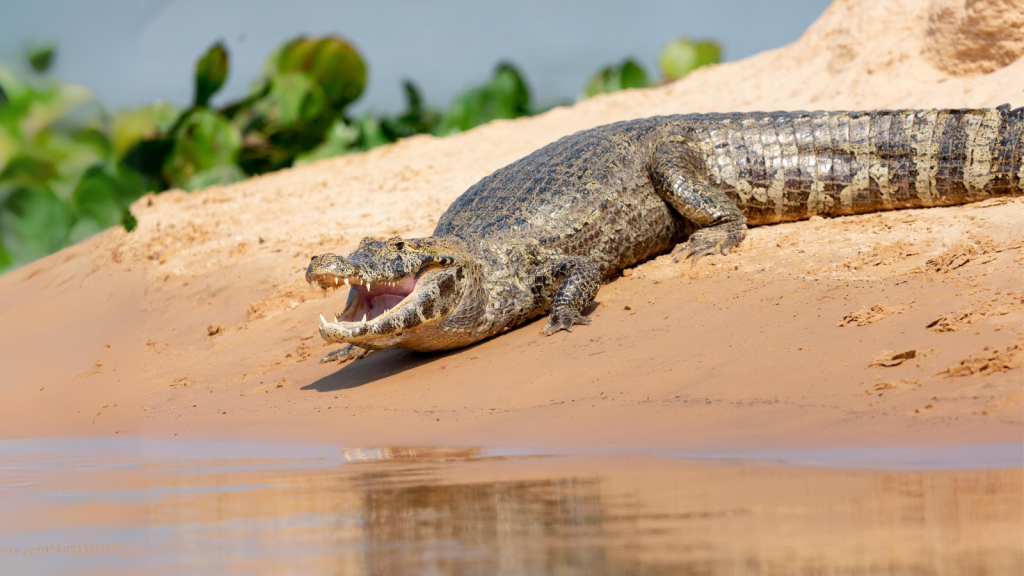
[(377, 313)]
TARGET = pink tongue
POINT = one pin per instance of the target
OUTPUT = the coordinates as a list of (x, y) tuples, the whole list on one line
[(381, 303)]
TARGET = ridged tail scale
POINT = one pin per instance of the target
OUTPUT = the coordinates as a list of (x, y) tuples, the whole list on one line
[(786, 166)]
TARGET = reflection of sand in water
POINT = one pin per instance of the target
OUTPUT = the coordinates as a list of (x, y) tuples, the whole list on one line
[(407, 453), (603, 516)]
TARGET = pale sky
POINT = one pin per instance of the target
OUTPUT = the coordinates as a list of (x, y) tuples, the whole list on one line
[(129, 52)]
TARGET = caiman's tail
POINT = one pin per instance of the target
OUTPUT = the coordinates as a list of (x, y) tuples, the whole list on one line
[(976, 154), (835, 163)]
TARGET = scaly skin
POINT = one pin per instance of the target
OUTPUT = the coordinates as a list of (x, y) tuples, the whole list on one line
[(541, 234)]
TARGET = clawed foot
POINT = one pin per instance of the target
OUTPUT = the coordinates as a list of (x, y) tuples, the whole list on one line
[(563, 320), (345, 354), (707, 241)]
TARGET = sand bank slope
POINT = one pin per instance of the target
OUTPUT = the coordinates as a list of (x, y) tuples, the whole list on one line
[(199, 322)]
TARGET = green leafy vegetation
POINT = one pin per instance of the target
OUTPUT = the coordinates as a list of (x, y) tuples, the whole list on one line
[(69, 169), (681, 56), (629, 74), (677, 59), (59, 181), (41, 57)]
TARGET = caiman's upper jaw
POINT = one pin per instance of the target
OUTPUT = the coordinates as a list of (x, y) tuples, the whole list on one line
[(327, 280), (377, 316), (367, 300)]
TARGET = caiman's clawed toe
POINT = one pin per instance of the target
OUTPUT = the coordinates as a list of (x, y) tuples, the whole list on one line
[(710, 241), (342, 355), (564, 320)]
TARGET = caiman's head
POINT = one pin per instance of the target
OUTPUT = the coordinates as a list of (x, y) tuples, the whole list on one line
[(397, 286)]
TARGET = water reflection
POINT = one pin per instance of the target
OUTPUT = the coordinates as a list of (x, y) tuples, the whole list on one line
[(460, 511)]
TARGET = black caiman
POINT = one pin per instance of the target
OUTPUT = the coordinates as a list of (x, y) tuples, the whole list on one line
[(541, 234)]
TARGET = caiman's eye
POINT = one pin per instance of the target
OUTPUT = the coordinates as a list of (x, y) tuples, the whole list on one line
[(398, 245)]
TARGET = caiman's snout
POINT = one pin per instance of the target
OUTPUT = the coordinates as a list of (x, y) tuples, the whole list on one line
[(396, 286), (330, 271)]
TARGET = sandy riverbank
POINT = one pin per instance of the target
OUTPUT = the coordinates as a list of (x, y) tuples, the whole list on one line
[(112, 335)]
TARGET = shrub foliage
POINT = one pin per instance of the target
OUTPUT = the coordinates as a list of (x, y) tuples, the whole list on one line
[(69, 169)]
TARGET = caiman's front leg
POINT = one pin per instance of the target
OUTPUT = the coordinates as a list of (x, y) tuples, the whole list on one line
[(679, 175), (576, 281), (345, 353)]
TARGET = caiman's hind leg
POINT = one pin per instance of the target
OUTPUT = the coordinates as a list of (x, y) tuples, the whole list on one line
[(679, 175), (576, 281), (345, 354)]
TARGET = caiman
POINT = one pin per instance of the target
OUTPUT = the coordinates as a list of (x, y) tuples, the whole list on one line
[(541, 234)]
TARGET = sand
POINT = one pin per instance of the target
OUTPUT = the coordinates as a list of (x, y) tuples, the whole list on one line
[(898, 328)]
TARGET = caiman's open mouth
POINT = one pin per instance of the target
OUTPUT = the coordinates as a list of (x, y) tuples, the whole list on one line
[(370, 301)]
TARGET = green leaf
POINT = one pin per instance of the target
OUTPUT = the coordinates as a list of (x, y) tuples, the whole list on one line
[(682, 56), (12, 87), (37, 110), (98, 197), (205, 139), (211, 72), (370, 133), (25, 170), (94, 139), (633, 76), (413, 100), (134, 184), (34, 222), (41, 57), (510, 94), (340, 72), (148, 157), (629, 74), (72, 154), (290, 119), (6, 258), (83, 229), (600, 83), (417, 118), (293, 99), (294, 56), (341, 139), (330, 62), (129, 127), (128, 221), (504, 96), (218, 175)]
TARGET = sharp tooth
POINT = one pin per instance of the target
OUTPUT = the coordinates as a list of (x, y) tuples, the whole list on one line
[(346, 282), (324, 291), (312, 286), (336, 318), (367, 285), (336, 280), (364, 317), (323, 321)]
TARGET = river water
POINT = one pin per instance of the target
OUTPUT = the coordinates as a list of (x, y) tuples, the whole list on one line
[(128, 506)]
